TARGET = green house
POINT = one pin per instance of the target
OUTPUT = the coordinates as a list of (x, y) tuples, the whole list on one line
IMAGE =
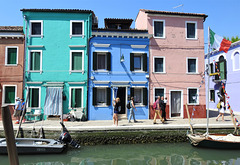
[(56, 60)]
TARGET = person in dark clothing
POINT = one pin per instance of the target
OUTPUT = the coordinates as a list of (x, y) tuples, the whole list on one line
[(162, 104), (116, 105)]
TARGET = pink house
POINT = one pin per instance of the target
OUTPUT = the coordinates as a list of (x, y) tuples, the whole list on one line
[(176, 60)]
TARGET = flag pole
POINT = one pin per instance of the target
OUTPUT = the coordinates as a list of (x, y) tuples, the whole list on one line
[(208, 70)]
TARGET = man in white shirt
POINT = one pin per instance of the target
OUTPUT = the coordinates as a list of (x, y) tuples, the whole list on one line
[(17, 110)]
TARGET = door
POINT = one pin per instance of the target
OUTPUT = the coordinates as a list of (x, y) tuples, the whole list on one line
[(176, 103), (121, 93)]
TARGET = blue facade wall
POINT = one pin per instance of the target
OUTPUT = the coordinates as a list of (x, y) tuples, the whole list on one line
[(119, 76)]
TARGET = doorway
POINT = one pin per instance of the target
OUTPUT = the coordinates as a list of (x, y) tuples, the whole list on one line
[(176, 103), (121, 93)]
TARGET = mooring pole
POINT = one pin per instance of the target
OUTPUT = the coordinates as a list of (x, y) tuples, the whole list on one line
[(9, 135)]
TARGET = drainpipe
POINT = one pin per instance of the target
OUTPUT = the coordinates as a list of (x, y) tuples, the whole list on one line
[(24, 55)]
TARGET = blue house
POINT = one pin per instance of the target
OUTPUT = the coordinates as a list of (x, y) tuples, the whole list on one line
[(118, 67), (224, 70)]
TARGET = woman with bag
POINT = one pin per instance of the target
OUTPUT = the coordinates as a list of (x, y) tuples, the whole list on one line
[(157, 111), (221, 109), (116, 105), (132, 114)]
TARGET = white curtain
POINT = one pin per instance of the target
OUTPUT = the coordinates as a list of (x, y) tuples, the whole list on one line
[(53, 101)]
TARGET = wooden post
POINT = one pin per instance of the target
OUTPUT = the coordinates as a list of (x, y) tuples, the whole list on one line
[(189, 120), (234, 122), (9, 134)]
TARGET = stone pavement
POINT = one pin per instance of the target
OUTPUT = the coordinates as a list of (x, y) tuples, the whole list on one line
[(103, 125)]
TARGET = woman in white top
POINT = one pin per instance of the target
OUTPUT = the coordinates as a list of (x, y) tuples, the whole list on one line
[(221, 110)]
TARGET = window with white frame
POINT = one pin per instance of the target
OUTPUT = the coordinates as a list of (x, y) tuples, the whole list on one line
[(101, 96), (36, 28), (35, 60), (159, 28), (158, 92), (76, 60), (101, 61), (76, 97), (11, 57), (9, 94), (193, 96), (192, 66), (212, 95), (138, 62), (140, 95), (76, 28), (236, 61), (159, 64), (191, 30), (34, 97)]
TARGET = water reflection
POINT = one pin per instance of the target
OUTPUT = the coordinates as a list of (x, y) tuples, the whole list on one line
[(145, 154)]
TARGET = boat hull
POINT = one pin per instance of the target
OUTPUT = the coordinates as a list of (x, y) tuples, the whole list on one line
[(208, 142), (34, 146)]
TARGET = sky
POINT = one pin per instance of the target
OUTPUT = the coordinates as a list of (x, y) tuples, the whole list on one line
[(223, 15)]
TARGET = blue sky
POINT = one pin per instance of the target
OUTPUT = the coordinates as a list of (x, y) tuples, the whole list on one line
[(223, 15)]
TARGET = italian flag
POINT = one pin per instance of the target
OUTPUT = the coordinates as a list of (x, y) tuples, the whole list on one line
[(219, 43)]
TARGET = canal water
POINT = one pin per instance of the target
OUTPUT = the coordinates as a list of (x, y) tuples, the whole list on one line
[(135, 154)]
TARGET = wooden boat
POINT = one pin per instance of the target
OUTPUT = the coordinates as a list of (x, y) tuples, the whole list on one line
[(34, 146), (216, 141)]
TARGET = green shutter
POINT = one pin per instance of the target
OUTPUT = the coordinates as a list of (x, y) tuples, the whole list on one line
[(30, 98), (222, 69), (145, 96), (94, 96), (131, 61), (73, 99), (145, 62), (78, 97), (108, 96), (9, 95), (33, 97), (76, 60), (94, 60), (108, 61), (35, 61), (12, 56)]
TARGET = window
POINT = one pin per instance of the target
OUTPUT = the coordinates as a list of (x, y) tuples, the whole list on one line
[(101, 96), (212, 95), (236, 61), (193, 96), (191, 29), (102, 61), (192, 65), (159, 65), (9, 94), (76, 28), (11, 57), (35, 61), (138, 62), (222, 67), (76, 98), (159, 28), (140, 95), (34, 97), (211, 68), (158, 92), (36, 28), (76, 61)]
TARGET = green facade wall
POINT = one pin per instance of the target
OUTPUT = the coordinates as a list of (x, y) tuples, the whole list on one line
[(55, 43)]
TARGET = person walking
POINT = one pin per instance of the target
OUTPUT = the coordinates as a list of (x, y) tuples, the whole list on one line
[(157, 112), (162, 104), (117, 106), (132, 114), (17, 110), (221, 109), (22, 109)]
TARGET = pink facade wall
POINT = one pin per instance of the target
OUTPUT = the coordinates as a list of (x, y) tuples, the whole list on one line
[(175, 48)]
